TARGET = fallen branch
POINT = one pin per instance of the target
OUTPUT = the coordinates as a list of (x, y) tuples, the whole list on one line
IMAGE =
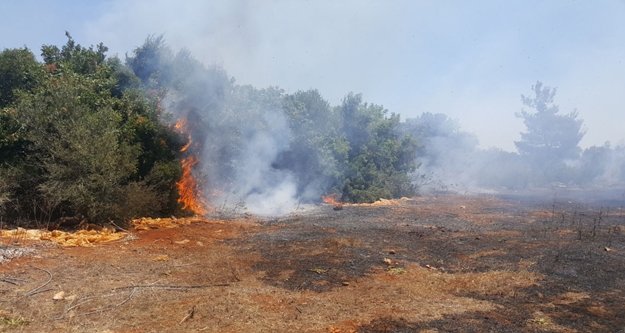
[(189, 315), (118, 227), (83, 301), (135, 288), (8, 281), (11, 280), (41, 291), (172, 287), (132, 293), (36, 290)]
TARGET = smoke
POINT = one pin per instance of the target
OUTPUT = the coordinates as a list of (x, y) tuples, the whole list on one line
[(451, 161), (263, 189), (237, 132), (447, 156), (282, 43)]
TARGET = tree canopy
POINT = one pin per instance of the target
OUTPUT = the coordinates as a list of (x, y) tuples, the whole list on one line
[(74, 142), (551, 139), (92, 137)]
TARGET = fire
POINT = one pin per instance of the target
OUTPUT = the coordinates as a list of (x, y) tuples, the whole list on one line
[(332, 199), (188, 187)]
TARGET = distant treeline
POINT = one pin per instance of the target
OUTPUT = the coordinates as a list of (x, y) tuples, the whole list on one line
[(548, 154)]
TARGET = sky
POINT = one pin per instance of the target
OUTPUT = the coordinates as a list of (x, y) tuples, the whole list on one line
[(471, 60)]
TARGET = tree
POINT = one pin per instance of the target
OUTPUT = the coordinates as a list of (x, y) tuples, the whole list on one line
[(79, 59), (19, 70), (81, 164), (84, 140), (151, 62), (551, 139), (380, 160), (19, 73), (316, 150)]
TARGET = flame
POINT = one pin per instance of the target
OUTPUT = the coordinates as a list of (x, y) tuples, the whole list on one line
[(332, 199), (188, 187)]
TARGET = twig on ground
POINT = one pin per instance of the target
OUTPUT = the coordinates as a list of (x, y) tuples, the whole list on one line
[(235, 275), (11, 280), (189, 315), (172, 287), (8, 281), (132, 293), (35, 291), (82, 301), (184, 265), (40, 291), (118, 227)]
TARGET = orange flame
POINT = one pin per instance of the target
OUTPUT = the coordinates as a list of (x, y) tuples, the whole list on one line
[(332, 199), (188, 188)]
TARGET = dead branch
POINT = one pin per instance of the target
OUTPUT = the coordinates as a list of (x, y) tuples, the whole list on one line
[(41, 291), (235, 275), (11, 280), (172, 287), (132, 293), (35, 291), (84, 300), (8, 281), (189, 315), (118, 227)]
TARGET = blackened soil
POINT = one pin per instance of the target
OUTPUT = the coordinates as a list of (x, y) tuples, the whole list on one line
[(578, 249)]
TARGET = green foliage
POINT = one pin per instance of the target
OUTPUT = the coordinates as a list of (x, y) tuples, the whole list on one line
[(85, 142), (11, 143), (74, 134), (354, 150), (551, 138), (151, 62), (84, 135), (379, 159), (123, 77), (18, 71), (19, 74), (317, 150), (549, 135), (75, 57)]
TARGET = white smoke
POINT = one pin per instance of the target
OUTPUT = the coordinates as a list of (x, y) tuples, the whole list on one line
[(261, 188)]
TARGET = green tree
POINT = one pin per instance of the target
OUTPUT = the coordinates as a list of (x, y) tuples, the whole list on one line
[(317, 151), (380, 160), (551, 139), (85, 140), (74, 56), (152, 62), (75, 145), (19, 70)]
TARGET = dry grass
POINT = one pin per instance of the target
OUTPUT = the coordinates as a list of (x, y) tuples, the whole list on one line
[(11, 322), (193, 275), (64, 238)]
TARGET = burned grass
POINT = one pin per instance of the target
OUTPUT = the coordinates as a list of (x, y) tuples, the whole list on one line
[(447, 264)]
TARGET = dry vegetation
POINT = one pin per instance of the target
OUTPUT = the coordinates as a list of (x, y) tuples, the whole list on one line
[(465, 264)]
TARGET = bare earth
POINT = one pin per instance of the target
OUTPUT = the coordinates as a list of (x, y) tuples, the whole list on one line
[(428, 264)]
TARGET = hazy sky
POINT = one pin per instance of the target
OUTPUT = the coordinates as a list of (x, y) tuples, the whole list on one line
[(469, 59)]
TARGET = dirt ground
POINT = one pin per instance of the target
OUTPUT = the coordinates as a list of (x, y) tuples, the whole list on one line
[(428, 264)]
